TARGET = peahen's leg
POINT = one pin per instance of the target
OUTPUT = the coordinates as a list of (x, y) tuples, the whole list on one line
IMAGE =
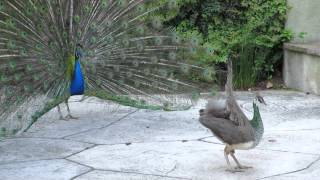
[(60, 113), (69, 116), (226, 157), (237, 162), (230, 168)]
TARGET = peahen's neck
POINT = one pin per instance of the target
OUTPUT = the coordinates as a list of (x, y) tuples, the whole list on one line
[(257, 124)]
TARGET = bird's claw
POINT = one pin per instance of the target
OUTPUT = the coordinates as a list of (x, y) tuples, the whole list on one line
[(244, 167), (235, 169), (71, 117), (63, 119)]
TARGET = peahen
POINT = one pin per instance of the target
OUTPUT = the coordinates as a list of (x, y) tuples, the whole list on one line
[(116, 50), (230, 125)]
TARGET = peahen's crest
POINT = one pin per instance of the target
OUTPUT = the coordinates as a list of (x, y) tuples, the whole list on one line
[(128, 56)]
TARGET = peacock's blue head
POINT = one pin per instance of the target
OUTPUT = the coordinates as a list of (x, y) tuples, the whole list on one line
[(79, 52)]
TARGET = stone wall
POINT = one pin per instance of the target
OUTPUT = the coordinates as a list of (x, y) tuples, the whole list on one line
[(304, 16), (302, 56), (302, 67)]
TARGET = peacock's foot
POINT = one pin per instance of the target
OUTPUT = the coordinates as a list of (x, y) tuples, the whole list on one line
[(63, 119), (244, 167), (234, 169), (69, 116)]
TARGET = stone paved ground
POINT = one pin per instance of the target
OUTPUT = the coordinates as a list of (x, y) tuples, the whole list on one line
[(121, 143)]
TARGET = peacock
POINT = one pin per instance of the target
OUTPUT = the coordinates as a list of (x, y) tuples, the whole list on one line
[(116, 50), (230, 125)]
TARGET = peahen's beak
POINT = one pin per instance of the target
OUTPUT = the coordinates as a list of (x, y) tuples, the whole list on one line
[(261, 100), (201, 112)]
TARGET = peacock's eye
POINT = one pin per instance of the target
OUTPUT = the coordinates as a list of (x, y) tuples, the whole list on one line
[(76, 19)]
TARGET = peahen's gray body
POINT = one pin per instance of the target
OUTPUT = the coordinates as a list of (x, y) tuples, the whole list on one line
[(230, 125), (128, 57)]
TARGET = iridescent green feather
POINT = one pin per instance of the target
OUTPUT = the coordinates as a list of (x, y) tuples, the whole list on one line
[(70, 66)]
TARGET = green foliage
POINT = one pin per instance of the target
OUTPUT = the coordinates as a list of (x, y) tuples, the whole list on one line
[(248, 30), (302, 35)]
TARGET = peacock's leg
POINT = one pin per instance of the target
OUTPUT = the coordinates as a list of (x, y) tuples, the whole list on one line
[(230, 168), (69, 116), (238, 164), (60, 113), (83, 98)]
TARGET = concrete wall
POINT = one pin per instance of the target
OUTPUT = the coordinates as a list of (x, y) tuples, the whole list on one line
[(302, 56), (302, 71), (304, 16)]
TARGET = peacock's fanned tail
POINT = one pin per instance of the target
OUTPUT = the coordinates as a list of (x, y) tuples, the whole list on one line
[(128, 57)]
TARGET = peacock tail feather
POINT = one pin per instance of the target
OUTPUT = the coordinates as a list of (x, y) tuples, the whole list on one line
[(70, 63), (129, 57)]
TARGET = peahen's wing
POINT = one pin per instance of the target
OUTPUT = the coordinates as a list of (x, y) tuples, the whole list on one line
[(131, 59), (33, 53)]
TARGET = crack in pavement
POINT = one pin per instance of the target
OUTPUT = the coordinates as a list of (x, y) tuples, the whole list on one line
[(81, 174), (292, 172), (173, 169), (22, 137), (27, 161), (144, 174), (294, 130), (49, 159), (143, 142), (85, 149), (296, 152), (81, 164), (117, 171), (51, 138)]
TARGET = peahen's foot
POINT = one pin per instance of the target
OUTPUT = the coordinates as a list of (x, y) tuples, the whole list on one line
[(234, 169), (69, 116)]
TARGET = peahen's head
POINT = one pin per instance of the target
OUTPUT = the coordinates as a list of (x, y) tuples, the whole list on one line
[(259, 99)]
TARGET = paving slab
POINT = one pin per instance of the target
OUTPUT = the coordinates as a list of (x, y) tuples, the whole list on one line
[(148, 126), (194, 160), (92, 113), (311, 172), (104, 175), (41, 170), (30, 149)]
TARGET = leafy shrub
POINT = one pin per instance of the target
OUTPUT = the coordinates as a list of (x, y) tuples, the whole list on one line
[(250, 31)]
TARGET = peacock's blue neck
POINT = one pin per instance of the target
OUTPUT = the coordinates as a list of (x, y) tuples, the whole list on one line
[(77, 82), (257, 124)]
